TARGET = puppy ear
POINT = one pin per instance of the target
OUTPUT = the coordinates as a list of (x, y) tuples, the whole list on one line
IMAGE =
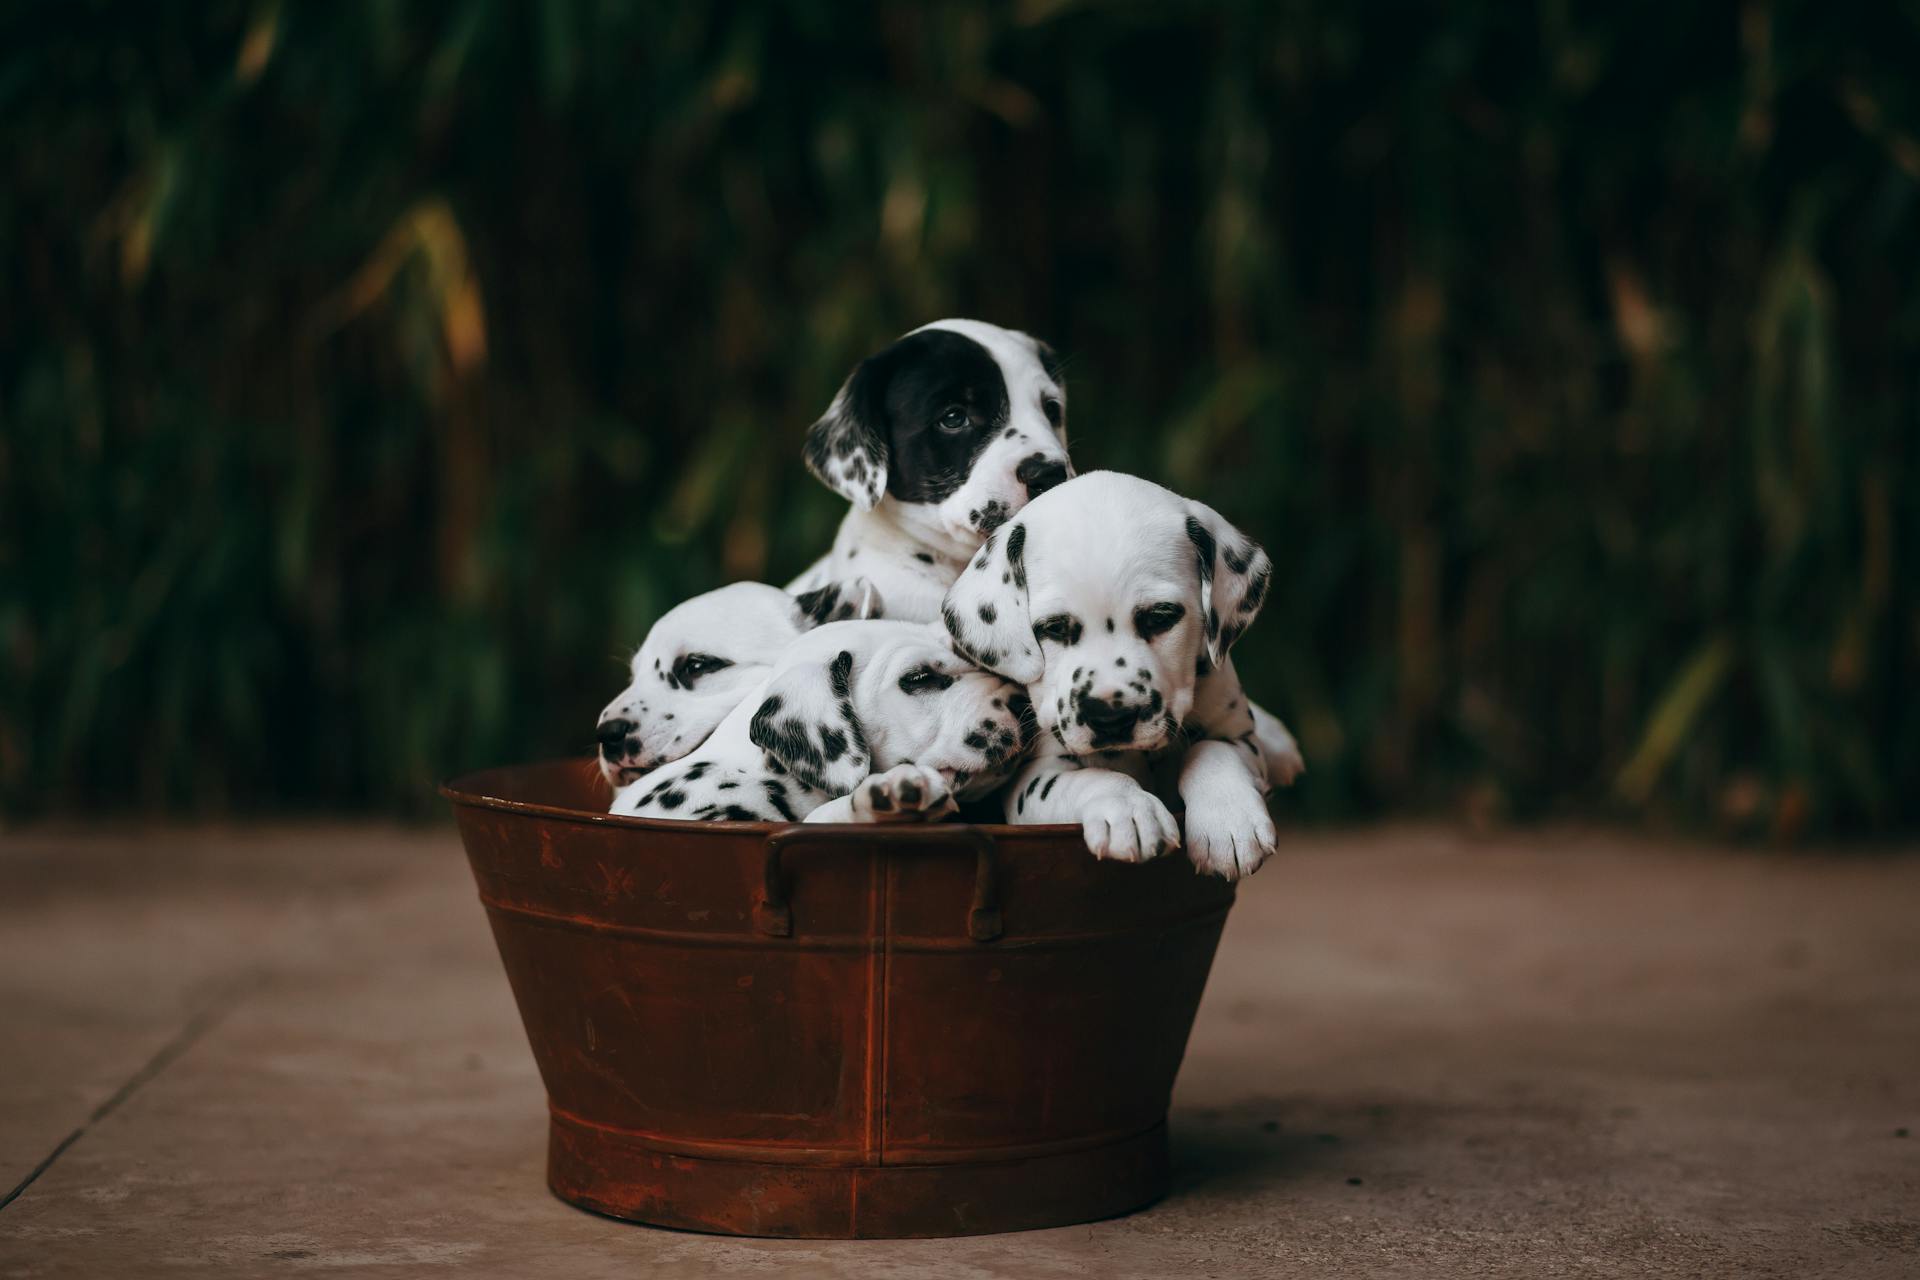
[(1234, 573), (843, 601), (847, 447), (1050, 361), (808, 725), (986, 609)]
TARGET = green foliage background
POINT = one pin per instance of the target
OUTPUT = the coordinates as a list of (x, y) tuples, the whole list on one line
[(372, 374)]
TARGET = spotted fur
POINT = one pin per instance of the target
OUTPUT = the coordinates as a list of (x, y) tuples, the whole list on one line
[(799, 745)]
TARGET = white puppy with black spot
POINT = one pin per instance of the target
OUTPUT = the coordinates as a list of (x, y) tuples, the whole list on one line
[(854, 722), (1114, 601), (699, 660)]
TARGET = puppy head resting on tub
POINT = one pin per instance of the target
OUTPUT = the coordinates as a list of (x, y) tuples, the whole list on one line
[(699, 660), (843, 704), (1108, 597)]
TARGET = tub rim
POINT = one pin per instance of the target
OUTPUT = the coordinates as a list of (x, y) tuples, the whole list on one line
[(477, 788)]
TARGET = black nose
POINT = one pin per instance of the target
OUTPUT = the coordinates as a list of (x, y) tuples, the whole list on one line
[(1040, 473), (613, 735), (1109, 721)]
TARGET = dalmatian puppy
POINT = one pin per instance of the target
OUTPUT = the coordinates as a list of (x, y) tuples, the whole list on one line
[(700, 659), (937, 440), (855, 722), (1115, 601)]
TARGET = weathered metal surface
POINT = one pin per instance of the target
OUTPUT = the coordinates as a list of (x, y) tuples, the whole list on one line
[(838, 1031)]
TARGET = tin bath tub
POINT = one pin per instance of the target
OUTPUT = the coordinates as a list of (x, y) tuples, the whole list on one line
[(838, 1031)]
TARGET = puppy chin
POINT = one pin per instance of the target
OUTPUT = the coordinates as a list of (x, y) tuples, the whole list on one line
[(972, 774), (1148, 735), (975, 779), (1152, 735), (620, 774)]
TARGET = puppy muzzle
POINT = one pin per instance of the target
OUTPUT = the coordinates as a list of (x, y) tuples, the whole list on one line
[(621, 757), (1104, 725), (1040, 473), (1112, 724), (993, 744)]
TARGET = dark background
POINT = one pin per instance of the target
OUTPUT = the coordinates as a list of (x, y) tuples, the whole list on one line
[(371, 375)]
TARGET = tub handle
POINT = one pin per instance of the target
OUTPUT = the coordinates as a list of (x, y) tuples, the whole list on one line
[(773, 912)]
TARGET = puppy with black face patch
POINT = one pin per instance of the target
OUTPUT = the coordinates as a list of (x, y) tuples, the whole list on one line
[(1115, 601), (856, 721), (700, 659), (936, 441)]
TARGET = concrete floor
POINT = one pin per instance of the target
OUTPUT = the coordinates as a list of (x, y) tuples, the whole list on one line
[(1422, 1054)]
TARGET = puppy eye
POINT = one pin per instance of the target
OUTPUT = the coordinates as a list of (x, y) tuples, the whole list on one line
[(1051, 407), (1157, 619), (689, 667), (1061, 628), (953, 418), (921, 679)]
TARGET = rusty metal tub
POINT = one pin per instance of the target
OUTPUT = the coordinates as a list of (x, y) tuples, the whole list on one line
[(838, 1031)]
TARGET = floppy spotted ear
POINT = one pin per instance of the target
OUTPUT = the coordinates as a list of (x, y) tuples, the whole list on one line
[(807, 725), (1234, 573), (986, 609), (847, 447)]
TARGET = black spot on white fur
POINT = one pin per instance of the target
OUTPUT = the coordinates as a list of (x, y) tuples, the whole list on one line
[(806, 749), (777, 797), (1256, 590), (837, 602), (1017, 555), (1204, 550)]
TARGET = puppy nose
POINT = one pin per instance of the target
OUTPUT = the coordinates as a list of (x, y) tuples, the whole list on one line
[(1107, 719), (613, 736), (1040, 473)]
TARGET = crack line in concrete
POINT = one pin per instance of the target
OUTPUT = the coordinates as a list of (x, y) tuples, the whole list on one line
[(182, 1040)]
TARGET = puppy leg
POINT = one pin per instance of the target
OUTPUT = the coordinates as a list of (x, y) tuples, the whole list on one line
[(1118, 818), (904, 793), (1222, 711), (1283, 759), (1229, 831)]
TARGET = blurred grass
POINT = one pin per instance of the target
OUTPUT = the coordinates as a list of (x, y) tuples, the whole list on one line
[(371, 375)]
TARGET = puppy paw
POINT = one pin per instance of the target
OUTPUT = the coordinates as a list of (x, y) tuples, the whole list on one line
[(1130, 827), (839, 601), (904, 793), (1285, 766), (1229, 831)]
